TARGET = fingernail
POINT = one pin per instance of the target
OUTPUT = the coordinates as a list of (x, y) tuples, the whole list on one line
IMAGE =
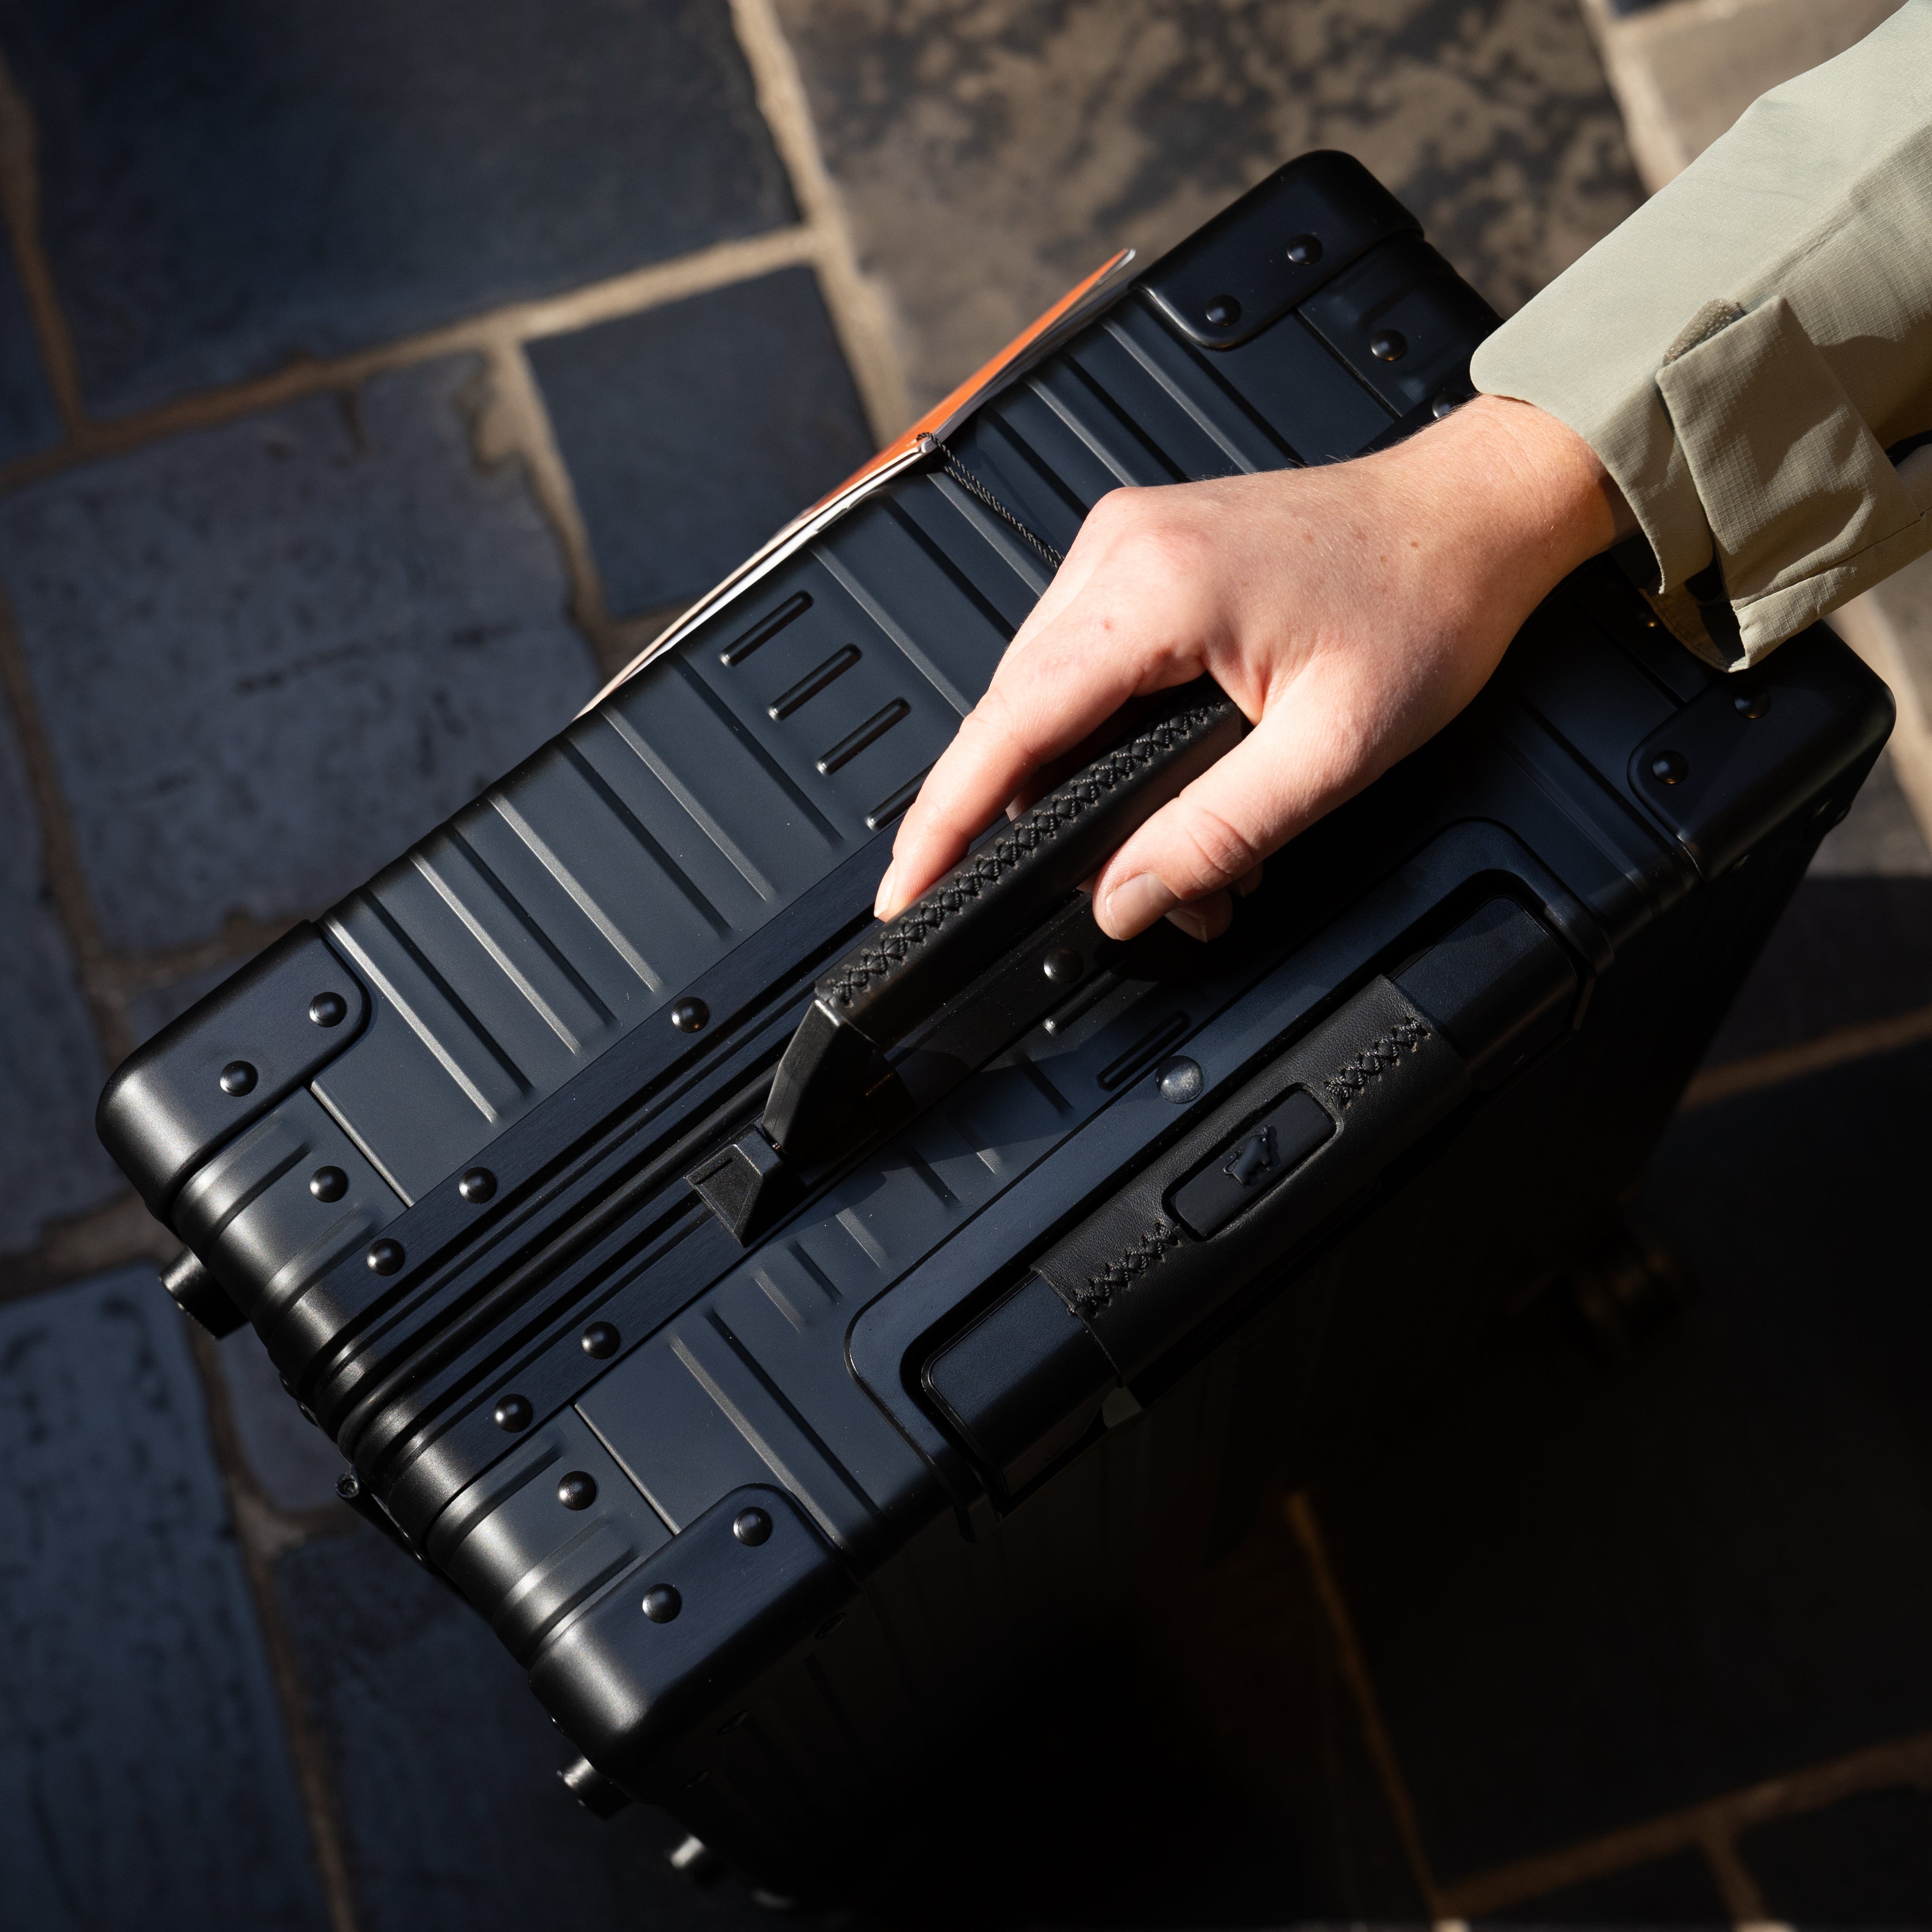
[(1190, 923), (883, 900), (1135, 904)]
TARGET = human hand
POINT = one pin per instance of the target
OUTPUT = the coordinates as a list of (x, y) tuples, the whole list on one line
[(1350, 610)]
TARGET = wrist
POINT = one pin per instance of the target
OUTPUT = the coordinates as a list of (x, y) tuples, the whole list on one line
[(1528, 492)]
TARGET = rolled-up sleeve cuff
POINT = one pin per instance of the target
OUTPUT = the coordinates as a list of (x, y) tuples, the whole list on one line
[(1764, 498), (1803, 508)]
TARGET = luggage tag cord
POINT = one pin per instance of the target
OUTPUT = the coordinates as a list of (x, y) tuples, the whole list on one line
[(973, 486), (913, 446)]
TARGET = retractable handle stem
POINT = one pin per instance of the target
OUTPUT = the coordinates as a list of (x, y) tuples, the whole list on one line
[(903, 971)]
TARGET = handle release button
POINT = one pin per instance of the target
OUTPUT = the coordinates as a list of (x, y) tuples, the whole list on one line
[(1265, 1154)]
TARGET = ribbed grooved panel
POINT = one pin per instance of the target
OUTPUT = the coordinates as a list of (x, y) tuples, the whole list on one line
[(1078, 438), (1180, 420), (581, 896), (258, 1214)]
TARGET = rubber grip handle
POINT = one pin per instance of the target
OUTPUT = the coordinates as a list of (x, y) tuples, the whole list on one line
[(1310, 1130), (903, 971), (1142, 1278)]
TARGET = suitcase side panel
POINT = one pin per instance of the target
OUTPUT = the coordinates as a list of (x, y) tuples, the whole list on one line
[(578, 899), (575, 902), (1134, 1523), (750, 1383), (572, 902)]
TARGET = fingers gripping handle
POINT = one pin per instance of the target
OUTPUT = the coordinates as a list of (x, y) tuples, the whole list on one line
[(904, 970), (899, 975)]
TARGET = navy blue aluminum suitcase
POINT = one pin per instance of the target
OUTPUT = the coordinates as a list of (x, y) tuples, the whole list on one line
[(782, 1328)]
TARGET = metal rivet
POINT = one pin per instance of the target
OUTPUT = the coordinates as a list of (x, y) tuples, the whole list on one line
[(477, 1186), (1446, 404), (577, 1490), (751, 1527), (1223, 312), (662, 1604), (732, 1722), (831, 1623), (689, 1015), (384, 1256), (1305, 250), (1062, 965), (328, 1183), (328, 1009), (348, 1486), (600, 1340), (513, 1413), (1670, 768), (1390, 346), (1181, 1080), (1752, 703), (238, 1078)]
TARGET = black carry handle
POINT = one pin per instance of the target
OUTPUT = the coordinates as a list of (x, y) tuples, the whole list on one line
[(1265, 1168), (902, 972)]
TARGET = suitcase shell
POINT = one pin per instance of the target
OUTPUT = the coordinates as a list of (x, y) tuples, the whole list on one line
[(765, 1523)]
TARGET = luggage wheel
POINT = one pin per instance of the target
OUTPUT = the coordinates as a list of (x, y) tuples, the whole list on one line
[(1620, 1293)]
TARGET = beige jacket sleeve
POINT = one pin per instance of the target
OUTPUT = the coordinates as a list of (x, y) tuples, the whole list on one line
[(1744, 350)]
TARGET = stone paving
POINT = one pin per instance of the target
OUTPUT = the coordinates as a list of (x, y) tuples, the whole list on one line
[(373, 383)]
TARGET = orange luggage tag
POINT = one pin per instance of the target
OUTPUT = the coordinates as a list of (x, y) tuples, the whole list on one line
[(1035, 341)]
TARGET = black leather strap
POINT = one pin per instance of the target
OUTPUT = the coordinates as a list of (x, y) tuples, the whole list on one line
[(903, 971), (1141, 1279)]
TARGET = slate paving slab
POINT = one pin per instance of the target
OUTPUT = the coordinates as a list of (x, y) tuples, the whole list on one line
[(1260, 1663), (445, 1765), (1590, 1597), (145, 1012), (1048, 1832), (1217, 1778), (990, 154), (293, 1462), (1678, 1890), (220, 195), (692, 432), (28, 421), (144, 1775), (445, 1769), (1880, 837), (50, 1070), (1865, 1861), (270, 655)]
